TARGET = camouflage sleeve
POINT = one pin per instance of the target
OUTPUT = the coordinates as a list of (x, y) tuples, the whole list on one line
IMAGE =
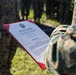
[(50, 58), (74, 14), (51, 55)]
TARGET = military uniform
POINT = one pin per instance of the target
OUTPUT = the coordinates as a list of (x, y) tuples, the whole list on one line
[(64, 10), (8, 14), (74, 14), (60, 55), (38, 6), (25, 8), (18, 7), (50, 8)]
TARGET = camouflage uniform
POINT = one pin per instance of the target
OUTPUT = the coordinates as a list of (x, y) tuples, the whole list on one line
[(38, 9), (64, 10), (8, 14), (25, 8), (60, 55), (74, 14)]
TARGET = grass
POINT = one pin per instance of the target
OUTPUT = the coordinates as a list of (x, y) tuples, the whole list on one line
[(22, 63)]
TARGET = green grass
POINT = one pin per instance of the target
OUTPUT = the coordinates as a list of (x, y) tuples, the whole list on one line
[(52, 22), (22, 63)]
